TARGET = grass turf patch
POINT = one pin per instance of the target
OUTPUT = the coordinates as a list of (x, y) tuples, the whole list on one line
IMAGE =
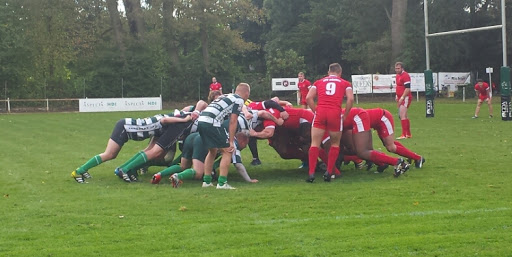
[(458, 204)]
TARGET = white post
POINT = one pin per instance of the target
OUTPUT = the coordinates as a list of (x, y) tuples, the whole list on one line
[(489, 71), (463, 93), (357, 98), (417, 95), (47, 105), (8, 105)]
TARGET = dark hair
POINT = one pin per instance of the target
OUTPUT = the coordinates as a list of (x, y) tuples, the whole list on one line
[(479, 80), (399, 64)]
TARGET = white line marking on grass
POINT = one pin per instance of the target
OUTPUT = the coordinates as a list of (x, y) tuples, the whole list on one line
[(377, 216)]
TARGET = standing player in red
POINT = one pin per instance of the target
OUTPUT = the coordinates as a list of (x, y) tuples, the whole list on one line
[(215, 85), (404, 98), (329, 92), (483, 91), (304, 86)]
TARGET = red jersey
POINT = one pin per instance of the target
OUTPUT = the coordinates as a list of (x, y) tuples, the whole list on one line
[(304, 86), (403, 81), (297, 116), (330, 91), (270, 123), (358, 120), (482, 90), (215, 86), (375, 116)]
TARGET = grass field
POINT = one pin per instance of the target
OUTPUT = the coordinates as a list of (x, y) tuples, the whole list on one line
[(458, 204)]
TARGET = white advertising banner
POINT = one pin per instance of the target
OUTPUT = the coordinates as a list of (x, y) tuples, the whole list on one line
[(362, 84), (285, 84), (452, 79), (384, 83), (418, 81), (120, 104)]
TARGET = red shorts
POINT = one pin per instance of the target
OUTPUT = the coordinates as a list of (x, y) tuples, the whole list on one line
[(386, 125), (483, 97), (328, 119), (303, 100), (361, 123), (406, 102)]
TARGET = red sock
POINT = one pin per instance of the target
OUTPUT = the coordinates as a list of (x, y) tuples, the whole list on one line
[(403, 151), (323, 157), (378, 157), (352, 158), (313, 159), (407, 131), (404, 127), (331, 160)]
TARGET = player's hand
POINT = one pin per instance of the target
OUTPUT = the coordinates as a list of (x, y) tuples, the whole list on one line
[(400, 101), (248, 116), (252, 132), (284, 115), (280, 121), (194, 115), (231, 147)]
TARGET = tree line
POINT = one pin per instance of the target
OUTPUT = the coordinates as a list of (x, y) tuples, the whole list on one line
[(133, 48)]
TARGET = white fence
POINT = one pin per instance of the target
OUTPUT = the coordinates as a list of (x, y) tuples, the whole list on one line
[(385, 83), (84, 105)]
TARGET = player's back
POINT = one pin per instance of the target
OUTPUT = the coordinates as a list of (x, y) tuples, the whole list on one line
[(330, 91)]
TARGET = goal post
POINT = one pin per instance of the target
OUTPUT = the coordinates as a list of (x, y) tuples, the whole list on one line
[(505, 71)]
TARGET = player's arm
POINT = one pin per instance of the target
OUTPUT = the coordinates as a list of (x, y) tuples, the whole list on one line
[(310, 98), (168, 120), (243, 172), (233, 123), (407, 90), (267, 116), (275, 105), (264, 134), (247, 114), (350, 101)]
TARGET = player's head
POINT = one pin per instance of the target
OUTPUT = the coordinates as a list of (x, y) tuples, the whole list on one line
[(214, 94), (214, 79), (243, 90), (399, 67), (242, 138), (335, 69), (480, 81), (275, 99), (301, 76)]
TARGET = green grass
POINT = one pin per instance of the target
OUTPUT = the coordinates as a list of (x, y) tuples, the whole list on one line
[(459, 204)]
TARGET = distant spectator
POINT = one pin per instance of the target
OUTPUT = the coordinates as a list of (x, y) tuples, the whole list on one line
[(215, 85)]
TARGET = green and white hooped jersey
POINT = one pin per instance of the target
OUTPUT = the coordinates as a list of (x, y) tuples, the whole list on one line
[(221, 108), (236, 157), (141, 129)]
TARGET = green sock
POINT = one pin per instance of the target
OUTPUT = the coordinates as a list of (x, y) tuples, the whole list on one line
[(222, 180), (91, 163), (170, 170), (177, 160), (132, 158), (207, 179), (139, 159), (187, 174)]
